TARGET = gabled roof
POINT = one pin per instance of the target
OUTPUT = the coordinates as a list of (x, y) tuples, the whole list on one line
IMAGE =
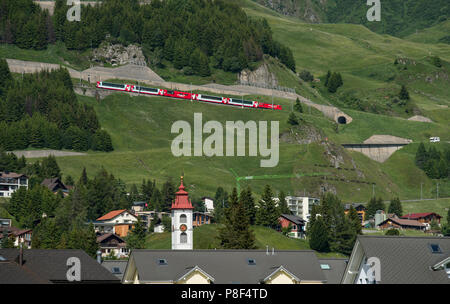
[(294, 219), (12, 273), (403, 222), (11, 174), (225, 266), (407, 260), (198, 269), (355, 205), (281, 269), (106, 236), (53, 183), (414, 216), (111, 215), (51, 265)]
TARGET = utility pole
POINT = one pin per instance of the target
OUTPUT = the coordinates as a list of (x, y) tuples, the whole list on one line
[(421, 197)]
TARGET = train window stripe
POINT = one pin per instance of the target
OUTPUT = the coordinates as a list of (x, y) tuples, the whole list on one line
[(149, 89), (113, 85), (212, 97)]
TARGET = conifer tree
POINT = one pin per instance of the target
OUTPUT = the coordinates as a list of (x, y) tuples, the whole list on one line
[(292, 119), (282, 204), (421, 156), (354, 219), (249, 204), (136, 237), (267, 214), (236, 234), (396, 207), (318, 236), (298, 106), (404, 95)]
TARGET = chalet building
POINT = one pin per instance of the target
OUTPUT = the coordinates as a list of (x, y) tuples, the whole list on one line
[(200, 218), (360, 209), (21, 236), (55, 185), (399, 260), (223, 267), (111, 244), (118, 222), (398, 223), (49, 266), (10, 182), (426, 217), (296, 223)]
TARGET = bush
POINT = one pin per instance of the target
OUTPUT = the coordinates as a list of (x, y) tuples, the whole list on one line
[(306, 76), (392, 231)]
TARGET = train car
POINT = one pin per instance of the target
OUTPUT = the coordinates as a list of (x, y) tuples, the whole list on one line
[(148, 91), (177, 94), (209, 98), (114, 86), (243, 103)]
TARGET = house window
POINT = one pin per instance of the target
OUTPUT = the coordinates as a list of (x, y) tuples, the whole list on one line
[(183, 218), (183, 238)]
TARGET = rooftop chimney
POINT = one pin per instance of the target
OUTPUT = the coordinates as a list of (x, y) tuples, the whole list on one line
[(99, 256), (267, 249)]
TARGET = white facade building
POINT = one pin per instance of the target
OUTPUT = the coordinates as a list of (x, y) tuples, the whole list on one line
[(300, 206), (10, 182), (209, 204)]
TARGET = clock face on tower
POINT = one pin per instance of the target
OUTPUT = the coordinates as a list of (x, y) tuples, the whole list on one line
[(183, 227)]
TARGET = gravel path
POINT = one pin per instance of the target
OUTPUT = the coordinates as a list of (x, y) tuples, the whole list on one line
[(45, 153)]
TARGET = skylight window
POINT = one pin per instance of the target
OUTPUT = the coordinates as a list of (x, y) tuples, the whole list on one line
[(251, 262), (162, 262), (116, 270), (435, 248), (325, 266)]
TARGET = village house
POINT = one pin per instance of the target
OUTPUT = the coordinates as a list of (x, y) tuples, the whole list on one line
[(20, 236), (398, 223), (10, 182), (296, 224), (49, 266), (399, 260), (138, 206), (360, 209), (55, 185), (425, 217), (112, 245), (119, 222)]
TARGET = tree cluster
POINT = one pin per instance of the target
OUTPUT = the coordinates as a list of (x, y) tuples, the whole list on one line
[(41, 111), (436, 164), (329, 229), (156, 199), (192, 34)]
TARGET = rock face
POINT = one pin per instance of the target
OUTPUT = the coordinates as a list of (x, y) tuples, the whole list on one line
[(117, 54), (259, 77)]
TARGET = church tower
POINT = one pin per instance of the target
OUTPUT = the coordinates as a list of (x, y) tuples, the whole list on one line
[(182, 234)]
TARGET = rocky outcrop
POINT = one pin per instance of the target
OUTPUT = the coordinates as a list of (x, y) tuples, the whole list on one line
[(420, 118), (260, 77), (117, 54)]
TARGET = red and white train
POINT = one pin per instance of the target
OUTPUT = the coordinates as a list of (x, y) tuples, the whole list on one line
[(185, 95)]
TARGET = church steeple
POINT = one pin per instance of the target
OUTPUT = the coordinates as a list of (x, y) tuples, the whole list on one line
[(181, 198), (182, 212)]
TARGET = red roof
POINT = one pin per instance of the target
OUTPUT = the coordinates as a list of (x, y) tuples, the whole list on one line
[(111, 215), (181, 199), (419, 215)]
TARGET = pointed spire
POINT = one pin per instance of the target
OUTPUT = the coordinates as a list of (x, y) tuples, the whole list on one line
[(182, 198)]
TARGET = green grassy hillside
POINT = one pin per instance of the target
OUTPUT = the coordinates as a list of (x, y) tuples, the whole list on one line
[(206, 237)]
